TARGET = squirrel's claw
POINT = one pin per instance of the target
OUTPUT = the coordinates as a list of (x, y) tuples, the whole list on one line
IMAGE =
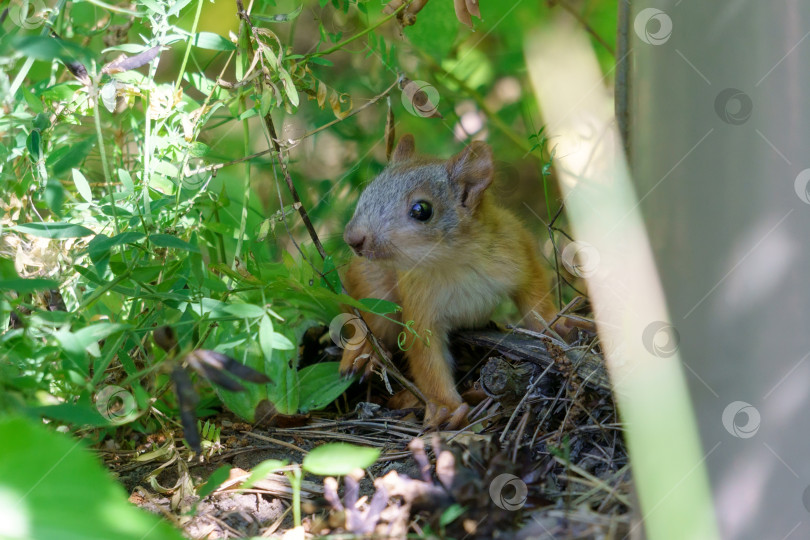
[(439, 415), (354, 360)]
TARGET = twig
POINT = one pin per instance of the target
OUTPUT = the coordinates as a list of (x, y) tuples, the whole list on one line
[(296, 141), (523, 400)]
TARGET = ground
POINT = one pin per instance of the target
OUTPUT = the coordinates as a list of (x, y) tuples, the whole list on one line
[(543, 458)]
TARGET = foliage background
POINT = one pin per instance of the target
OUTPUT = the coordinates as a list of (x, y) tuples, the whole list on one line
[(106, 235), (207, 253)]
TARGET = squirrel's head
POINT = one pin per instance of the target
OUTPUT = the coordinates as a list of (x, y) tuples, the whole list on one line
[(420, 209)]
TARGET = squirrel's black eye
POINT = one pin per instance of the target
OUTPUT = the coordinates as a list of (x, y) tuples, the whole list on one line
[(421, 210)]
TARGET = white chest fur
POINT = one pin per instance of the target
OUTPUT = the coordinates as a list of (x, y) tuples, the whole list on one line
[(460, 298)]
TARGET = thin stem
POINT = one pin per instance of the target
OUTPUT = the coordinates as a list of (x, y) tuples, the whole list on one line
[(105, 167), (188, 46), (355, 37), (246, 195), (116, 9), (479, 100)]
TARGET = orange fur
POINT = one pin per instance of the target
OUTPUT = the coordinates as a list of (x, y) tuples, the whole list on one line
[(487, 256)]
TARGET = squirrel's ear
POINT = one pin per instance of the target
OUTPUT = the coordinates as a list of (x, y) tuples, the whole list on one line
[(472, 170), (405, 149)]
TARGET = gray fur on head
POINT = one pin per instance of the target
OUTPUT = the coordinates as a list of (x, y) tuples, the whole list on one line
[(382, 216)]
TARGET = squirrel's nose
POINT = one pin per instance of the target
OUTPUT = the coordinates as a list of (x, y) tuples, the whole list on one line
[(356, 240)]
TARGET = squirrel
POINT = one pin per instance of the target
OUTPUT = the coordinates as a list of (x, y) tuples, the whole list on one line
[(430, 237)]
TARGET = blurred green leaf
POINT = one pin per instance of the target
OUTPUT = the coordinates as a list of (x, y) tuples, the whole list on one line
[(261, 471), (214, 42), (53, 230), (73, 157), (25, 286), (216, 479), (55, 488), (48, 48), (435, 30), (334, 459), (378, 306), (168, 241), (82, 185), (34, 144)]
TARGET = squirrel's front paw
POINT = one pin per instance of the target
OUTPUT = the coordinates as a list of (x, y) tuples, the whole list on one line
[(442, 415), (355, 359)]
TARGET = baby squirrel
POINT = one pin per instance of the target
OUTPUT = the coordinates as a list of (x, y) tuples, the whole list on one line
[(430, 237)]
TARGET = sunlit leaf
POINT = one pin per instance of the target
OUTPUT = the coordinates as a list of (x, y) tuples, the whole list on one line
[(82, 185), (53, 230), (339, 459), (212, 41)]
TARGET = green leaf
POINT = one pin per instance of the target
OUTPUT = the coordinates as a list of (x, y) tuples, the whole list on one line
[(268, 97), (261, 471), (266, 337), (335, 459), (169, 241), (34, 145), (289, 87), (53, 230), (280, 17), (24, 286), (54, 487), (321, 61), (379, 306), (271, 340), (436, 30), (126, 181), (78, 414), (212, 41), (41, 121), (154, 5), (76, 344), (47, 48), (102, 244), (82, 185), (177, 7), (282, 369), (54, 196), (74, 156), (214, 481), (330, 274), (165, 168), (247, 311), (280, 342), (35, 103), (452, 513), (198, 149), (61, 92), (319, 385)]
